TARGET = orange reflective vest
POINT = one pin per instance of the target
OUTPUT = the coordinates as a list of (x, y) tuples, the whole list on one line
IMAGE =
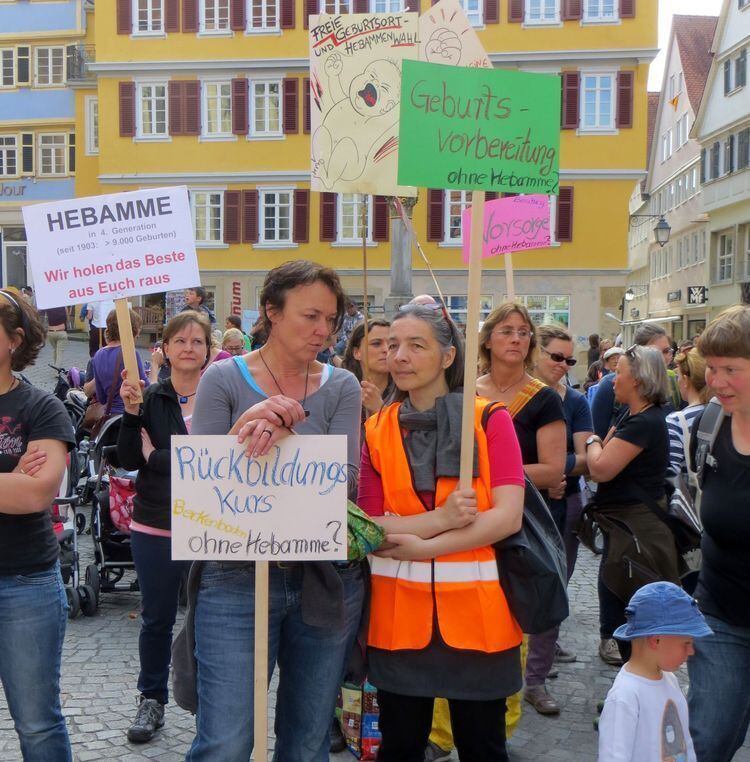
[(472, 612)]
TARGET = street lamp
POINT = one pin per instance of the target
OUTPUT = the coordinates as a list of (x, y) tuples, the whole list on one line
[(662, 230)]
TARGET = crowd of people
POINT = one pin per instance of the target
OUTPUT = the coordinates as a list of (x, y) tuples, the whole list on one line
[(449, 660)]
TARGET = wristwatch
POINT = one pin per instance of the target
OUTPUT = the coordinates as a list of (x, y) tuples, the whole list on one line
[(593, 438)]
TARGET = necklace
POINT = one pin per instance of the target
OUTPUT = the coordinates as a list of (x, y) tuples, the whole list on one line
[(502, 391), (183, 398), (278, 385), (12, 386)]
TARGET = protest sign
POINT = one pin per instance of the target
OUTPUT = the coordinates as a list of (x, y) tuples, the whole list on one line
[(111, 246), (289, 505), (446, 36), (511, 224), (355, 90), (479, 129)]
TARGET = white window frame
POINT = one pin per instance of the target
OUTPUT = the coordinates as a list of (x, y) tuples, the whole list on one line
[(217, 7), (264, 6), (55, 148), (266, 133), (264, 202), (206, 85), (208, 204), (336, 7), (463, 199), (5, 54), (725, 258), (599, 127), (352, 237), (5, 150), (91, 104), (388, 6), (475, 15), (139, 132), (599, 18), (546, 18), (544, 315), (51, 51), (151, 31)]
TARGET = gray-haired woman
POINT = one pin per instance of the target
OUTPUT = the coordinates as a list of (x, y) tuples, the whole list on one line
[(629, 466)]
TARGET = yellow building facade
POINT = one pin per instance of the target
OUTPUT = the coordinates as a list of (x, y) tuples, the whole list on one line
[(211, 94)]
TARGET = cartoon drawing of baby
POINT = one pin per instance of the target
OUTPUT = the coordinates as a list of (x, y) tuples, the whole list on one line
[(356, 126)]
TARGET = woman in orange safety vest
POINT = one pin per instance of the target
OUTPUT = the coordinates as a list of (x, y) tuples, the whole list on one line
[(439, 621)]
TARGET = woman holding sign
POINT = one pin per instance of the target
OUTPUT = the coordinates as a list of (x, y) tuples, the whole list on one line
[(143, 443), (439, 621), (315, 607)]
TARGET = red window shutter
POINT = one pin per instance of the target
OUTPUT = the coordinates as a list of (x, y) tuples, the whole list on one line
[(290, 88), (237, 15), (490, 196), (564, 230), (381, 219), (327, 217), (312, 8), (190, 16), (127, 109), (172, 15), (627, 9), (625, 81), (239, 106), (249, 216), (124, 17), (192, 107), (175, 93), (286, 15), (572, 10), (412, 6), (232, 217), (306, 105), (515, 11), (435, 203), (361, 6), (571, 81), (301, 216), (491, 11)]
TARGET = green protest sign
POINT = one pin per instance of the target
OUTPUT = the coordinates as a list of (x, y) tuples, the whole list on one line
[(479, 129)]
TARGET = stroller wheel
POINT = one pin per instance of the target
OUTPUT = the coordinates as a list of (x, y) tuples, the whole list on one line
[(88, 600), (92, 579), (80, 523), (74, 602)]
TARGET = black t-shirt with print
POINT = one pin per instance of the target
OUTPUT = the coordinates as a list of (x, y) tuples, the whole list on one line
[(27, 541)]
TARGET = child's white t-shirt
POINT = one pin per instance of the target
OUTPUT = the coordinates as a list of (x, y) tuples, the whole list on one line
[(645, 721)]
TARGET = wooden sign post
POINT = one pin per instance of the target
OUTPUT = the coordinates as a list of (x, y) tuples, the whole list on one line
[(364, 346), (260, 702), (127, 341)]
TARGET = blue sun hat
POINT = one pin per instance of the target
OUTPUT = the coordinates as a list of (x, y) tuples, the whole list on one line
[(662, 608)]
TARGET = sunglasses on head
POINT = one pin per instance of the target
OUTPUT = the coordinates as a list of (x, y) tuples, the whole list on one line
[(435, 306), (560, 357)]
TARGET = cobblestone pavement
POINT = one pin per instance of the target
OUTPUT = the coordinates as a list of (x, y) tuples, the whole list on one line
[(100, 669)]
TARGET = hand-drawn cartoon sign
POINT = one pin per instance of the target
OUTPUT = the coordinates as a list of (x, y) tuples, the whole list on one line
[(479, 129), (511, 224), (355, 91), (446, 36)]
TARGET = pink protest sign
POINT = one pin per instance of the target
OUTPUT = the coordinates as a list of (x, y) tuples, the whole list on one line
[(511, 224)]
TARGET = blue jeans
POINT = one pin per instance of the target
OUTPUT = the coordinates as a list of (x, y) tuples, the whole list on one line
[(33, 614), (311, 663), (159, 578), (719, 695)]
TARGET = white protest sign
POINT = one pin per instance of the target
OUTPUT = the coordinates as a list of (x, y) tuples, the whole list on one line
[(111, 246), (288, 505), (446, 36)]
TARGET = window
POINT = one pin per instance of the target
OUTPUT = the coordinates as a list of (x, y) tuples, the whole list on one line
[(599, 10), (214, 16), (547, 309), (264, 15), (542, 12), (596, 100), (680, 190), (50, 66), (208, 213), (725, 258), (8, 156), (7, 67), (336, 7), (665, 145), (92, 126), (675, 85), (735, 72), (455, 203), (473, 11), (386, 6), (349, 216), (217, 108), (148, 16), (458, 307), (265, 117), (276, 216), (52, 151), (152, 106)]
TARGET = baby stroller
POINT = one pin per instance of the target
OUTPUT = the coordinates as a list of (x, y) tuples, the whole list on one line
[(112, 554)]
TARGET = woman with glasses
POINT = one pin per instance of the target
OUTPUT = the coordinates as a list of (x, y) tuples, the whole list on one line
[(629, 466), (233, 342), (439, 621)]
